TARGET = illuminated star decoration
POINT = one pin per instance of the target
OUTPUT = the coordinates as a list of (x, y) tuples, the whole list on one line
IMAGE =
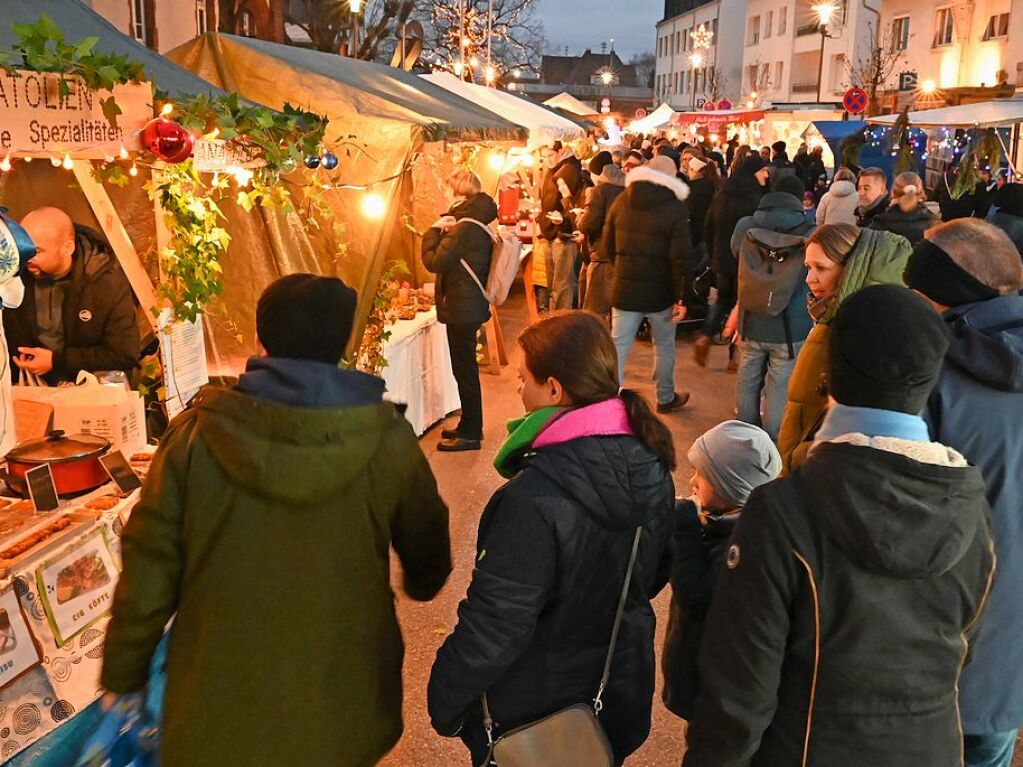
[(702, 37)]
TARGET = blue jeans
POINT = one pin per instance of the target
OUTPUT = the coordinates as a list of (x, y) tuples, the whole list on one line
[(992, 750), (764, 371), (624, 326), (561, 274)]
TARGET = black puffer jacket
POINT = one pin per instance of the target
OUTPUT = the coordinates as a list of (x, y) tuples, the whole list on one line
[(739, 198), (648, 234), (552, 553), (701, 194), (911, 225), (459, 299), (98, 313), (839, 628), (865, 216), (552, 199)]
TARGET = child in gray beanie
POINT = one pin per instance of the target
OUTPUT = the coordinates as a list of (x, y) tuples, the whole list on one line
[(729, 462)]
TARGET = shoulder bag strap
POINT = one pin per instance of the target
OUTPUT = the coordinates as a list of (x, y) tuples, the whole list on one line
[(465, 264), (598, 702)]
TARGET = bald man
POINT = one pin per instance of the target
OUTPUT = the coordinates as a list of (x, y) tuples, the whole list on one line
[(78, 312)]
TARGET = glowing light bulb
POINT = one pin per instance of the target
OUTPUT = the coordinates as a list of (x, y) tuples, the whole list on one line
[(474, 62), (167, 109), (133, 170), (465, 42), (458, 68), (123, 153), (527, 160), (825, 12), (355, 6), (497, 161), (55, 162), (373, 206), (5, 164), (68, 163), (607, 78), (928, 87), (491, 75)]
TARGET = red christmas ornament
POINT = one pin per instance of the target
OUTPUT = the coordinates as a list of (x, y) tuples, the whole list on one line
[(167, 140)]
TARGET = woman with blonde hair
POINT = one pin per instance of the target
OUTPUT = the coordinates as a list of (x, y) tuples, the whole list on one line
[(457, 248), (908, 214), (840, 260)]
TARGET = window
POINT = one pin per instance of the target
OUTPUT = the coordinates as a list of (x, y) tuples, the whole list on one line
[(714, 32), (783, 19), (768, 24), (943, 27), (900, 33), (201, 19), (837, 75), (765, 75), (779, 70), (751, 73), (138, 20), (753, 33), (247, 24), (675, 88), (678, 42), (997, 26)]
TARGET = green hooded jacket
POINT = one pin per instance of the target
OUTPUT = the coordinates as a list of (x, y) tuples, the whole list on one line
[(879, 258), (266, 529)]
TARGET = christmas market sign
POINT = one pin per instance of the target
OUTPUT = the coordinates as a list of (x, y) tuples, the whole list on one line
[(855, 101), (39, 118)]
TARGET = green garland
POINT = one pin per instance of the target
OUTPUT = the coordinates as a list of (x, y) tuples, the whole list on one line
[(984, 150), (899, 141)]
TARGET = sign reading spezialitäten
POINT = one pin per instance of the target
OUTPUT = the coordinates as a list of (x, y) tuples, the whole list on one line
[(36, 118)]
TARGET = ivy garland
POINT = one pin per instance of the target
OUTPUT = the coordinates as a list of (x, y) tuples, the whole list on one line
[(271, 142)]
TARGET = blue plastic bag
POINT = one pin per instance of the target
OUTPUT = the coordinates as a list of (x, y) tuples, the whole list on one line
[(125, 737)]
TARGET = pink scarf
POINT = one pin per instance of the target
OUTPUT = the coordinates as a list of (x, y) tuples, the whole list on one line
[(603, 419)]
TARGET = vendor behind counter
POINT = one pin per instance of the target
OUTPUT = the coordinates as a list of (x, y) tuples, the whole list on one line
[(78, 312)]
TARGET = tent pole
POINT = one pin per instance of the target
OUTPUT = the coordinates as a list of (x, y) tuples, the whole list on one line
[(490, 34)]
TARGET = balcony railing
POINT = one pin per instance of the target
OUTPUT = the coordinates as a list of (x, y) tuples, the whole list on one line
[(804, 87), (808, 29)]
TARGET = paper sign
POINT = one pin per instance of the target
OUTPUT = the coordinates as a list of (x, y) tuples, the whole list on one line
[(18, 650), (77, 587), (36, 119), (183, 350)]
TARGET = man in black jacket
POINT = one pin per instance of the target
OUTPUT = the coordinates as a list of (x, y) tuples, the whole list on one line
[(560, 195), (872, 186), (78, 312), (852, 588)]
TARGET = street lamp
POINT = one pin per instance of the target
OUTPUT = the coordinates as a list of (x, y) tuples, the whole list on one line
[(355, 6), (607, 78), (696, 59), (928, 87), (825, 12)]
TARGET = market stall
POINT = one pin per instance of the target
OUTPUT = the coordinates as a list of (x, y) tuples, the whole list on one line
[(716, 125), (660, 119), (566, 102)]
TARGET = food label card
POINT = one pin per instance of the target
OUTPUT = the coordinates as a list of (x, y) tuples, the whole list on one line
[(18, 651), (77, 586)]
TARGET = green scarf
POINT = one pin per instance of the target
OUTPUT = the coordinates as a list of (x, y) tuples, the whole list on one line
[(521, 434)]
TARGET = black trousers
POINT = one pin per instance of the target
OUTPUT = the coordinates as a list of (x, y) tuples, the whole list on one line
[(462, 344)]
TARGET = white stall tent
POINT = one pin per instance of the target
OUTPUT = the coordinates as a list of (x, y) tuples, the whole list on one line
[(544, 125), (987, 114), (569, 103), (659, 119)]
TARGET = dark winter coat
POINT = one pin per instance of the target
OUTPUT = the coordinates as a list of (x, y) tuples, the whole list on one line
[(698, 551), (265, 529), (647, 232), (838, 631), (739, 198), (973, 204), (569, 170), (701, 194), (459, 299), (98, 313), (781, 167), (779, 212), (911, 225), (812, 170), (977, 408), (1010, 224), (610, 184), (533, 632), (865, 216)]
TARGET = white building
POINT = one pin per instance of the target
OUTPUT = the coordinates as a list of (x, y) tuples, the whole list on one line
[(687, 72), (782, 48)]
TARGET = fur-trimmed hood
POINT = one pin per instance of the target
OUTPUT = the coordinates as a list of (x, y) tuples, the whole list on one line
[(643, 175)]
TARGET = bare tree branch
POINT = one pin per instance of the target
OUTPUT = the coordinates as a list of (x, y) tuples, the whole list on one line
[(874, 67), (328, 23)]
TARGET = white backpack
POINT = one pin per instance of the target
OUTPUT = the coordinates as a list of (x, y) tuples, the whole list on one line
[(504, 264)]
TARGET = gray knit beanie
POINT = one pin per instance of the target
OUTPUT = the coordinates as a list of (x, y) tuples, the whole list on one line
[(735, 457)]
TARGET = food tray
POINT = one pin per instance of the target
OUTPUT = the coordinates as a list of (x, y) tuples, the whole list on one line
[(70, 523)]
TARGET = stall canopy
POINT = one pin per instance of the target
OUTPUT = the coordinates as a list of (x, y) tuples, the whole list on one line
[(566, 102), (872, 154), (544, 125), (718, 119), (79, 21), (987, 114), (656, 120)]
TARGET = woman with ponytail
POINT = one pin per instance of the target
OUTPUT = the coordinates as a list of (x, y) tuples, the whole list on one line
[(587, 465)]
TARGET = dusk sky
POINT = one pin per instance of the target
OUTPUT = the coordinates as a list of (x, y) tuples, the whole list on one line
[(584, 23)]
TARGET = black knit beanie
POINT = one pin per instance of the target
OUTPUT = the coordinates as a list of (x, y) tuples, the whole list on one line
[(752, 164), (600, 161), (306, 317), (779, 146), (885, 348), (791, 185)]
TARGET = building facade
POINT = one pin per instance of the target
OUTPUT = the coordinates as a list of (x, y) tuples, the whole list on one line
[(699, 52), (786, 59), (600, 80), (166, 24)]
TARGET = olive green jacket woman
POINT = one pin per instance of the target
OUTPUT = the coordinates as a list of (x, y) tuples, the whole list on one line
[(879, 258)]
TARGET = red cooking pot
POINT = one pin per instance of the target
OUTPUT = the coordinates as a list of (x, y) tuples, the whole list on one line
[(73, 459)]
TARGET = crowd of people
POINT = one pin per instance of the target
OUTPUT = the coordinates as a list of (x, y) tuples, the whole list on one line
[(846, 567)]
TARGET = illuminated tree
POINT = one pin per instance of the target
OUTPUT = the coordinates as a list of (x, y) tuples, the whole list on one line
[(329, 24)]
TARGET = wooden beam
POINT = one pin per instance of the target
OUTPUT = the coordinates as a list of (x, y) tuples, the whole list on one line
[(120, 242)]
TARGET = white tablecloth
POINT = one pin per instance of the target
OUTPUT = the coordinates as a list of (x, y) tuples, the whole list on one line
[(418, 372)]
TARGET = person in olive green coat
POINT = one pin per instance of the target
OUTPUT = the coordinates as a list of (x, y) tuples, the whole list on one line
[(841, 259), (264, 529)]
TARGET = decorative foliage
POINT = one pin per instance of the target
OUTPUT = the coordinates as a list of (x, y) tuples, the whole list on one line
[(370, 358), (901, 143), (850, 147), (984, 150)]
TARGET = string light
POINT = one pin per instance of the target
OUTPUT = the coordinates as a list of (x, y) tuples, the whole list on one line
[(133, 170), (68, 163), (55, 162), (123, 154), (5, 164), (167, 109), (497, 161), (373, 206)]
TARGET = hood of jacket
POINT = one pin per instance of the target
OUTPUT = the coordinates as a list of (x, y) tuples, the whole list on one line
[(892, 514), (480, 207), (612, 175), (842, 188), (614, 479), (295, 431), (780, 212), (648, 188), (986, 341), (92, 254), (878, 258)]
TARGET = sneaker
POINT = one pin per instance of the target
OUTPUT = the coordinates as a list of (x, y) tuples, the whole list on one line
[(700, 350), (677, 403), (458, 445)]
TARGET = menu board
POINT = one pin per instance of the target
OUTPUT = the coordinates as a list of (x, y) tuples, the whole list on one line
[(18, 650), (183, 350), (77, 586)]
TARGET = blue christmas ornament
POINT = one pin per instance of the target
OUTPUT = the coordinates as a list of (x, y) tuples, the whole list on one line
[(329, 160), (312, 162)]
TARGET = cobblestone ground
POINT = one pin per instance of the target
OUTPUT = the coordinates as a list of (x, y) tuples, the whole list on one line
[(467, 481)]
